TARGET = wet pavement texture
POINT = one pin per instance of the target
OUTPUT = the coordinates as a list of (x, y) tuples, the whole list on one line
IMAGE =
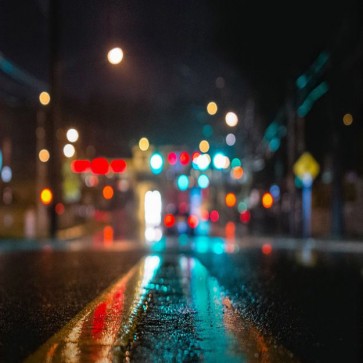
[(189, 300)]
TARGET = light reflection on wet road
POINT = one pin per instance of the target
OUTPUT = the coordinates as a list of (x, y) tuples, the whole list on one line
[(198, 299)]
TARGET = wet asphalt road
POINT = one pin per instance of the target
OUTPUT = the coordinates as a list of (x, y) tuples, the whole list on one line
[(208, 300)]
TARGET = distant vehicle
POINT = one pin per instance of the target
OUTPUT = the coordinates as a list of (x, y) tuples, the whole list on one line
[(190, 224)]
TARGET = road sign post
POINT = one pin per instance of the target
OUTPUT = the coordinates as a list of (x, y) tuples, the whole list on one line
[(306, 168)]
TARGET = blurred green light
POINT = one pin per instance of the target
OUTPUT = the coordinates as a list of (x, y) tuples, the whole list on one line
[(302, 81), (183, 182), (236, 162), (156, 163)]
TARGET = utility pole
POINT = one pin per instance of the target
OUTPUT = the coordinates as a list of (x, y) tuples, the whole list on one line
[(291, 156), (54, 115)]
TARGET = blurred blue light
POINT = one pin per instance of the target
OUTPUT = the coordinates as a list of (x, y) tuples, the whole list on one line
[(275, 191)]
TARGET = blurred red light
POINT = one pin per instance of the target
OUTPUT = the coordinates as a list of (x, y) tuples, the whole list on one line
[(172, 158), (118, 165), (245, 216), (214, 216), (59, 208), (266, 248), (169, 220), (184, 158), (99, 166), (193, 221), (195, 155), (80, 166)]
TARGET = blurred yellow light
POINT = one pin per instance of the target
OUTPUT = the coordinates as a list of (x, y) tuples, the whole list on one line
[(144, 144), (267, 200), (204, 146), (347, 119), (44, 98), (115, 55), (231, 119), (107, 192), (212, 108), (46, 196), (231, 200), (44, 155)]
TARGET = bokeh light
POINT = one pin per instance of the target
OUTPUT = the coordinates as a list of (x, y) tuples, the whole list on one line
[(267, 200), (46, 196), (115, 55), (72, 135), (107, 192), (144, 144), (231, 119), (44, 155), (231, 200), (69, 150), (212, 108), (230, 139), (44, 98), (347, 119), (204, 146)]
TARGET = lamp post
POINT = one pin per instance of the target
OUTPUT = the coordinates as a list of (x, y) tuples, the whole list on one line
[(54, 117)]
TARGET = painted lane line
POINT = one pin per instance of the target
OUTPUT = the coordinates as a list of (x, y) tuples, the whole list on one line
[(91, 335)]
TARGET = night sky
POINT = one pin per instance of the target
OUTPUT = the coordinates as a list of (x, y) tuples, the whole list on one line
[(174, 53)]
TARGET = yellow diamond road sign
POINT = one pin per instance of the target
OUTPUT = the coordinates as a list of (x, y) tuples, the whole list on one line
[(306, 165)]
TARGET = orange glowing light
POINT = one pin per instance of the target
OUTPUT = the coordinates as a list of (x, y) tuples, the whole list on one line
[(108, 235), (237, 172), (193, 221), (231, 200), (230, 230), (267, 200), (107, 192)]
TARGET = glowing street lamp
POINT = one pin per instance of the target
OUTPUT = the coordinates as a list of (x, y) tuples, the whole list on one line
[(231, 119), (115, 55), (44, 98)]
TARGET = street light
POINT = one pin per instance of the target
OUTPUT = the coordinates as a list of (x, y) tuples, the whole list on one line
[(114, 56)]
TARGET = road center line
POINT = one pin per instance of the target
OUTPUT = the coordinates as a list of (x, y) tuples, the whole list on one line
[(90, 336)]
